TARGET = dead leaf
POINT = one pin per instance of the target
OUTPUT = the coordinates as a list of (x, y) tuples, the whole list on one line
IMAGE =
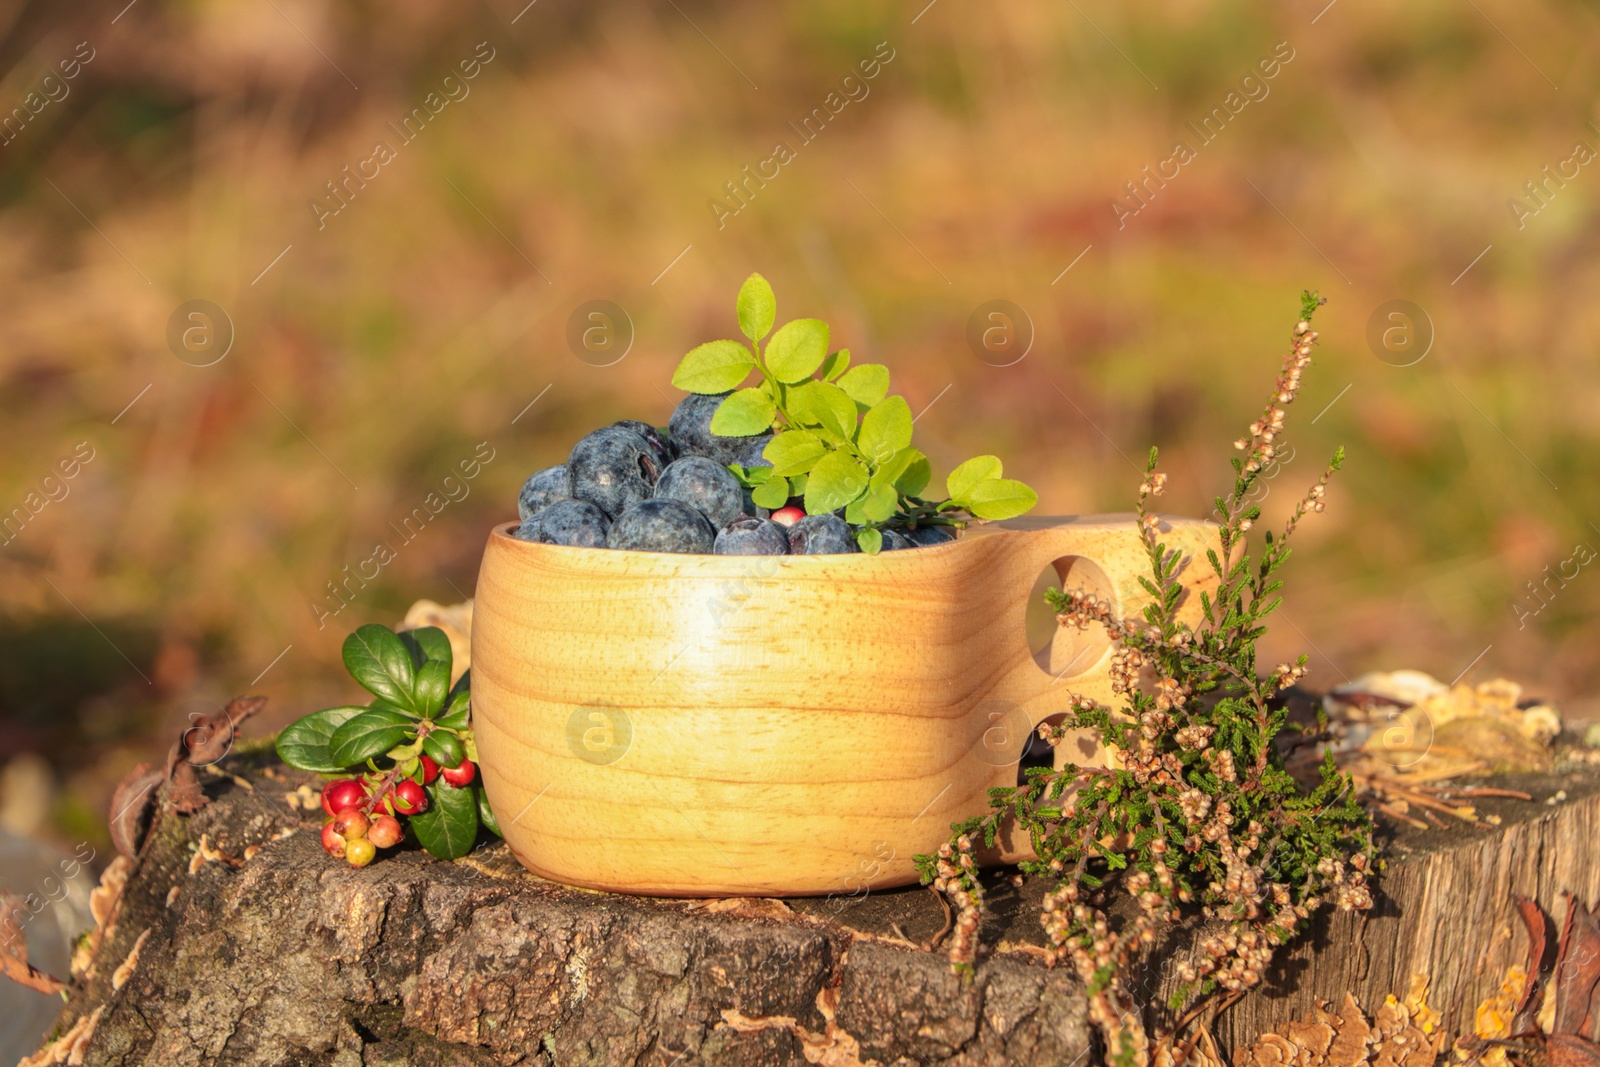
[(1577, 972), (14, 949), (1564, 1050), (1538, 926), (211, 738), (131, 805)]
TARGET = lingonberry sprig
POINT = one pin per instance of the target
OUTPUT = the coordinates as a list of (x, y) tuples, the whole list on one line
[(410, 752), (1196, 808)]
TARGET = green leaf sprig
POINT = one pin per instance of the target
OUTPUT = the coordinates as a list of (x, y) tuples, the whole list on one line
[(839, 439), (414, 711)]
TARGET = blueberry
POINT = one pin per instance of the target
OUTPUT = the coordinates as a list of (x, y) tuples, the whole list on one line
[(528, 531), (543, 487), (745, 536), (653, 437), (821, 535), (691, 433), (893, 540), (930, 535), (576, 523), (705, 485), (661, 526), (613, 469), (748, 454)]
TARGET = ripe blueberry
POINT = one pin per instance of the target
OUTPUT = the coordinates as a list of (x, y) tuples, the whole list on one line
[(692, 436), (821, 535), (930, 535), (894, 540), (358, 851), (653, 437), (745, 536), (385, 831), (613, 469), (661, 526), (408, 797), (527, 530), (343, 793), (788, 516), (541, 488), (576, 523), (460, 775), (705, 485)]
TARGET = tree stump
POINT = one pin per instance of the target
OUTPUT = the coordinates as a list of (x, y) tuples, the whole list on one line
[(238, 941)]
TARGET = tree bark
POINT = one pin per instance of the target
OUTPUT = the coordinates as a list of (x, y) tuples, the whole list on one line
[(261, 950)]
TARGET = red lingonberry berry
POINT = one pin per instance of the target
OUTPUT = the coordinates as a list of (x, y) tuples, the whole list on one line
[(408, 797), (430, 769), (332, 841), (343, 793), (385, 831), (358, 851), (461, 775), (351, 823), (788, 516)]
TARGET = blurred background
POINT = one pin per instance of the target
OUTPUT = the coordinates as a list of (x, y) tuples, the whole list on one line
[(273, 270)]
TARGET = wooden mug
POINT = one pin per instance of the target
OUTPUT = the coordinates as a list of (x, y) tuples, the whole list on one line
[(701, 725)]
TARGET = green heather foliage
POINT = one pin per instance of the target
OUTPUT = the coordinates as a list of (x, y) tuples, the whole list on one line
[(1199, 812)]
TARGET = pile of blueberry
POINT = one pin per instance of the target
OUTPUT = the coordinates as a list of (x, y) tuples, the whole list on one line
[(631, 486)]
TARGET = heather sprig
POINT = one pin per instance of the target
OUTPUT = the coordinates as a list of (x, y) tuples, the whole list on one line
[(1197, 810)]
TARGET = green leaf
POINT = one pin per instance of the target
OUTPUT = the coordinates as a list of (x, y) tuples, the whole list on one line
[(304, 742), (867, 383), (797, 349), (826, 405), (455, 716), (773, 493), (837, 479), (885, 429), (485, 813), (793, 451), (961, 480), (835, 364), (757, 307), (1000, 498), (916, 477), (869, 540), (371, 733), (714, 367), (381, 663), (433, 687), (749, 411), (879, 502), (450, 825), (444, 748), (427, 643)]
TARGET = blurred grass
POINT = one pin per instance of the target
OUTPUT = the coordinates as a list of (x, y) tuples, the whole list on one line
[(413, 325)]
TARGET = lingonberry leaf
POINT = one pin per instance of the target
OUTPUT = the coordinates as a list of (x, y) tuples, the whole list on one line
[(444, 748), (797, 350), (433, 687), (1000, 498), (371, 733), (380, 662), (427, 643), (746, 412), (485, 813), (866, 383), (960, 481), (455, 715), (757, 307), (714, 367), (449, 827), (304, 742)]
